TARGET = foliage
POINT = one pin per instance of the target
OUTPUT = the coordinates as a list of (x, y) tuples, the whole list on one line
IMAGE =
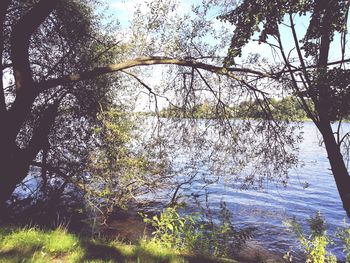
[(173, 230), (121, 167), (248, 16), (344, 235), (62, 156), (304, 66), (69, 40), (201, 111), (287, 108), (197, 233), (223, 238), (315, 244)]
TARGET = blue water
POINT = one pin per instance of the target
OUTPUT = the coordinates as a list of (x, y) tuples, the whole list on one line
[(269, 208)]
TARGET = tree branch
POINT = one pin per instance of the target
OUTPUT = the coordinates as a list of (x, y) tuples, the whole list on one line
[(20, 38), (41, 132), (295, 84), (143, 84), (4, 4), (337, 62), (296, 43), (145, 61)]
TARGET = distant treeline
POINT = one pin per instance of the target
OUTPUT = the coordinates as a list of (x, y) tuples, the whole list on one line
[(286, 108)]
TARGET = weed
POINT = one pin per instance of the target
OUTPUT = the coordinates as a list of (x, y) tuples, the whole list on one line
[(197, 232), (315, 244)]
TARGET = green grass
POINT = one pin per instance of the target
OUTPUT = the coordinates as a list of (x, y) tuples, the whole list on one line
[(35, 245)]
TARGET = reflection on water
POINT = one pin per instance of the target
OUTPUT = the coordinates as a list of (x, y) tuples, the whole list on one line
[(267, 209)]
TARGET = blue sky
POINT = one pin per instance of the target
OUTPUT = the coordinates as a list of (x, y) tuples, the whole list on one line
[(123, 10)]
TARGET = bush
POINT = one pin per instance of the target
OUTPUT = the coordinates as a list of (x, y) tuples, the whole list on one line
[(344, 235), (198, 233), (315, 244)]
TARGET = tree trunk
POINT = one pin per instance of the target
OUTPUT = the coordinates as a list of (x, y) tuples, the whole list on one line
[(340, 172), (14, 168), (15, 162)]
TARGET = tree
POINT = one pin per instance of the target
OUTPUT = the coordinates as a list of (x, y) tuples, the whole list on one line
[(305, 69), (54, 54), (37, 123), (119, 170), (59, 57)]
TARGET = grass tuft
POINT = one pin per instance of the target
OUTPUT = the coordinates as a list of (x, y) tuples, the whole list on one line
[(36, 245)]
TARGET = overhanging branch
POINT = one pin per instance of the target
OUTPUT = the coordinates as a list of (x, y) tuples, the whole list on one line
[(145, 61)]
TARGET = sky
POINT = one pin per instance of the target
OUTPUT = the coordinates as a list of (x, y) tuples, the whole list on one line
[(123, 10)]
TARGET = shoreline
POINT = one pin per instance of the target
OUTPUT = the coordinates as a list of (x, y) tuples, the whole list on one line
[(129, 227)]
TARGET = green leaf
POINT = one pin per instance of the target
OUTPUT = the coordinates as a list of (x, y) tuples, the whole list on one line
[(170, 226)]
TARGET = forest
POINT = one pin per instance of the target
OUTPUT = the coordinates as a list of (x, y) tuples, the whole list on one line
[(174, 131)]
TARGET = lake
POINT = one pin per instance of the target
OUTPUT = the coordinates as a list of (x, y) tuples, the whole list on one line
[(268, 209)]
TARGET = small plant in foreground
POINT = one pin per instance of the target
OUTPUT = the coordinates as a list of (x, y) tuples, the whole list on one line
[(197, 233), (315, 244), (173, 230), (344, 235)]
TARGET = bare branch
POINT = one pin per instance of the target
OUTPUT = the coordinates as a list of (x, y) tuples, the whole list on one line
[(210, 88), (296, 43), (140, 81), (295, 84)]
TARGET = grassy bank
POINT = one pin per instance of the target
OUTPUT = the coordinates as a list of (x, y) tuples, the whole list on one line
[(35, 245)]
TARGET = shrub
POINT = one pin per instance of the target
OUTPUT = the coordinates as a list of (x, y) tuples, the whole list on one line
[(315, 244), (197, 232), (344, 235)]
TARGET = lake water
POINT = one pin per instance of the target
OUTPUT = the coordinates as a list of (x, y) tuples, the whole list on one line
[(269, 208)]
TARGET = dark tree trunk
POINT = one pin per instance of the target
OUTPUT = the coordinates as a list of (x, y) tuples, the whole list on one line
[(15, 162), (340, 172), (14, 168), (323, 107)]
